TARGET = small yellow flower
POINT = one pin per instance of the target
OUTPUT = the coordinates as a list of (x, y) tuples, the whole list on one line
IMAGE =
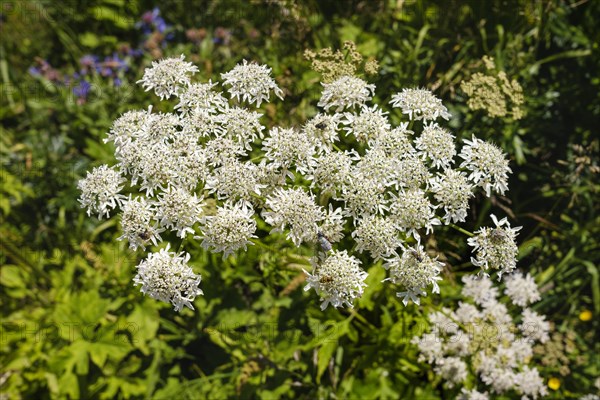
[(585, 315), (554, 383)]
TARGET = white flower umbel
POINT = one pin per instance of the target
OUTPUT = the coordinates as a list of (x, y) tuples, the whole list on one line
[(138, 136), (452, 369), (366, 126), (100, 191), (332, 171), (332, 226), (452, 190), (495, 248), (136, 223), (363, 196), (211, 147), (395, 143), (411, 210), (178, 210), (168, 77), (590, 396), (127, 127), (242, 125), (345, 92), (166, 276), (377, 235), (420, 104), (377, 166), (251, 83), (499, 378), (289, 147), (497, 313), (338, 279), (410, 172), (472, 395), (230, 229), (234, 180), (479, 288), (322, 130), (430, 347), (444, 322), (157, 168), (529, 383), (129, 155), (485, 336), (437, 145), (189, 161), (271, 177), (488, 165), (414, 271), (200, 96), (467, 312), (521, 289), (160, 128), (296, 209), (535, 326), (222, 150), (201, 122)]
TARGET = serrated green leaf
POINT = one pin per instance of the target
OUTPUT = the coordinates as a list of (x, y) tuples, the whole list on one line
[(324, 356), (12, 276), (145, 322), (375, 275), (108, 347)]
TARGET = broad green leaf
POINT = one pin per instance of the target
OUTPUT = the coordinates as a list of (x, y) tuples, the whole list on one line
[(143, 324), (324, 356), (595, 283), (89, 39), (12, 276), (375, 275), (68, 385)]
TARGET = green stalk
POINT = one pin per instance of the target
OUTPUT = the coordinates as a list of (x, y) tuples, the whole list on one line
[(461, 230)]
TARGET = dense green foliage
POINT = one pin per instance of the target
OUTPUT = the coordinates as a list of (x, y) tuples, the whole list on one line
[(74, 326)]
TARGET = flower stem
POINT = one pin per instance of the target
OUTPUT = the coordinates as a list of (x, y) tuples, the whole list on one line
[(181, 244), (461, 230), (355, 314), (264, 246)]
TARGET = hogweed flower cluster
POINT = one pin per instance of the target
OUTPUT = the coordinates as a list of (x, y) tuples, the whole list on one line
[(100, 190), (332, 65), (165, 276), (494, 93), (210, 170), (495, 248), (339, 279), (482, 337), (420, 104), (414, 270)]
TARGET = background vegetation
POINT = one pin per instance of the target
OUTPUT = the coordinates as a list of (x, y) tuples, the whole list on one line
[(73, 325)]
